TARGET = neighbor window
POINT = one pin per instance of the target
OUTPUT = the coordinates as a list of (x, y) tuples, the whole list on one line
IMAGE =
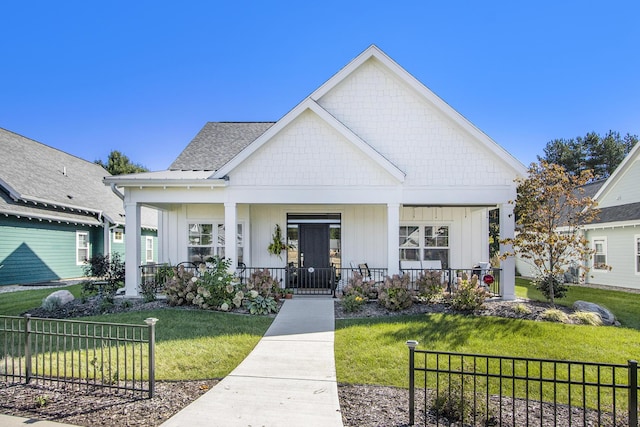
[(600, 255), (82, 247), (149, 248), (207, 240), (425, 243), (118, 236)]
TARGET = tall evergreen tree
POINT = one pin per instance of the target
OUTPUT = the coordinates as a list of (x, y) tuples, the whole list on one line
[(119, 164)]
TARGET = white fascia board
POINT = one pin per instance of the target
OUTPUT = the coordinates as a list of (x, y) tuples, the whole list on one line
[(617, 224), (618, 172), (310, 104), (140, 183), (374, 52)]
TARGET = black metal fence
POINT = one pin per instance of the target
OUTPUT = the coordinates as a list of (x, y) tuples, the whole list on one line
[(117, 357), (326, 281), (472, 389)]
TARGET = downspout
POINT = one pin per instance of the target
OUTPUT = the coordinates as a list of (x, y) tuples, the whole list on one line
[(116, 191)]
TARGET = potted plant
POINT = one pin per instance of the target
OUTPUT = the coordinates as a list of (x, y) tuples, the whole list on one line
[(288, 293), (277, 244)]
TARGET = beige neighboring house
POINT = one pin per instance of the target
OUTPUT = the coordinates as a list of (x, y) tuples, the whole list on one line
[(372, 167)]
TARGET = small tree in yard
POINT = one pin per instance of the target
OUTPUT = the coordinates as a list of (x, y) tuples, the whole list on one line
[(550, 211)]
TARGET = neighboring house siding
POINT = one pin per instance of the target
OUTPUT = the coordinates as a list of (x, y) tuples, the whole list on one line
[(620, 256), (34, 251), (625, 189)]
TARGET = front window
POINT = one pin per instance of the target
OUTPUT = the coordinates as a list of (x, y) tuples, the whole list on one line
[(207, 240), (600, 256), (425, 243), (118, 236), (82, 247)]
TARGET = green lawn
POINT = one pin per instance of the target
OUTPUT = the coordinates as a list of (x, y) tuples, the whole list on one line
[(195, 344)]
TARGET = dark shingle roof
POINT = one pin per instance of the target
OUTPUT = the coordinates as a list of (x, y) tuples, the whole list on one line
[(217, 143), (32, 171), (628, 212)]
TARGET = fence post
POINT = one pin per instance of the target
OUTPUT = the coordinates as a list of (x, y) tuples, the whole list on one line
[(412, 344), (151, 322), (27, 347), (633, 393)]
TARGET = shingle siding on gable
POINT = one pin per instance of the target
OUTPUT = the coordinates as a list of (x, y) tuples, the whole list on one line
[(309, 152), (414, 135)]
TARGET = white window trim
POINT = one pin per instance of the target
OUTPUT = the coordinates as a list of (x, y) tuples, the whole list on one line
[(115, 233), (215, 246), (88, 248), (148, 239), (421, 236), (636, 254), (606, 254)]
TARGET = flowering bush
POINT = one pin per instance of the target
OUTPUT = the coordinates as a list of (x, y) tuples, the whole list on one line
[(357, 286), (395, 293), (429, 283), (469, 295), (217, 289), (263, 282)]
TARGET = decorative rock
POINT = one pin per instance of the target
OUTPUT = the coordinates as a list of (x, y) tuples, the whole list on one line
[(63, 295), (607, 317)]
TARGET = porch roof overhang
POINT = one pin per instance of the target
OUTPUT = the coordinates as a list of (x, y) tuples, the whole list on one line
[(166, 179)]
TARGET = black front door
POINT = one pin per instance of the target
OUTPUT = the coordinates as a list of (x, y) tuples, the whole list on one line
[(313, 255)]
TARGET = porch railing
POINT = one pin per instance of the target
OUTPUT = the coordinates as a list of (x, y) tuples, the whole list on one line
[(473, 389), (329, 280), (117, 357)]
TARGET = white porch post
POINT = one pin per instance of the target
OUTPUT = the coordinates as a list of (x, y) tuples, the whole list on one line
[(230, 230), (508, 266), (132, 248), (393, 238), (106, 237)]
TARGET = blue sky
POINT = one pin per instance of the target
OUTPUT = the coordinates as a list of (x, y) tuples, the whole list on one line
[(143, 77)]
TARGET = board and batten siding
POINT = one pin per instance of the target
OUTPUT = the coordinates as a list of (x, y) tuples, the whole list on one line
[(621, 256), (34, 251)]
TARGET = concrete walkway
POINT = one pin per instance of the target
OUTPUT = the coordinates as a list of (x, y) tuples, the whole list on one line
[(289, 379)]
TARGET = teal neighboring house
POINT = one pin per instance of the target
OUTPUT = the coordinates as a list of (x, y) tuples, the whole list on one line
[(55, 213)]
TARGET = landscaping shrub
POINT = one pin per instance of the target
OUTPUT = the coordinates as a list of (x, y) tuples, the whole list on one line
[(179, 286), (429, 283), (352, 303), (555, 315), (456, 402), (106, 268), (261, 305), (394, 294), (357, 286), (51, 303), (543, 284), (522, 309), (263, 282), (587, 318), (469, 295)]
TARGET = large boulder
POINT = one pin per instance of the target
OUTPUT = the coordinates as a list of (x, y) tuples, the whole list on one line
[(607, 317), (63, 296)]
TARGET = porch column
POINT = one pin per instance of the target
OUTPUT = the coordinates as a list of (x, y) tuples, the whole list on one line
[(132, 248), (393, 238), (230, 238), (508, 266)]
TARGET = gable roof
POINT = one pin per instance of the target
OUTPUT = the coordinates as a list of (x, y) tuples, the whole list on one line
[(217, 143), (622, 167), (42, 182)]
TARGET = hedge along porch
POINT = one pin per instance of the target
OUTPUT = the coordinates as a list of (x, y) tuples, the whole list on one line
[(372, 157)]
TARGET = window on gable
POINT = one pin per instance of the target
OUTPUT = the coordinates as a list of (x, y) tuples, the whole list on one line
[(600, 255), (82, 247)]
